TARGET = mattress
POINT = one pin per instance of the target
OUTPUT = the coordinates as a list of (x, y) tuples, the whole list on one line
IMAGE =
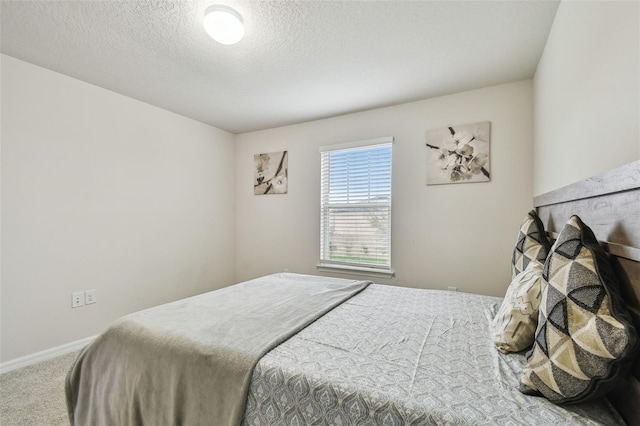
[(401, 356)]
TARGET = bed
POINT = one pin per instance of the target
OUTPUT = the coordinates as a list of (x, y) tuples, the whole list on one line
[(349, 352)]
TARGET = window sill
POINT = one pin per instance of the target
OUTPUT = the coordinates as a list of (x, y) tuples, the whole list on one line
[(356, 270)]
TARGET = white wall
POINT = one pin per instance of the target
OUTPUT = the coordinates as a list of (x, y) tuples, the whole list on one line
[(587, 93), (448, 235), (103, 191)]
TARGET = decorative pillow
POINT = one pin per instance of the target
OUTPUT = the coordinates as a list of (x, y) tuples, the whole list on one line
[(585, 340), (532, 244), (515, 323)]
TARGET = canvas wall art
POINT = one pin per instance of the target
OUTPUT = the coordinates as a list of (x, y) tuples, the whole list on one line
[(271, 173), (459, 154)]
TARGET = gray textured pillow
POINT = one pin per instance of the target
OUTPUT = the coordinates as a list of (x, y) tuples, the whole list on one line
[(585, 340), (532, 244), (514, 325)]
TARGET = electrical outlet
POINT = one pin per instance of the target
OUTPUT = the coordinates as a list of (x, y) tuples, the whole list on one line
[(77, 299), (452, 288), (90, 296)]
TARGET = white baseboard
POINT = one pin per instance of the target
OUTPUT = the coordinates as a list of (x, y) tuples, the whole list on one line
[(37, 357)]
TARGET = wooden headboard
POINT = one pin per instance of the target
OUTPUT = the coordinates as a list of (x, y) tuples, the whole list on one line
[(610, 205)]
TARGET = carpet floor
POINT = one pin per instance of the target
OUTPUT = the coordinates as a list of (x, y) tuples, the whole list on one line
[(34, 395)]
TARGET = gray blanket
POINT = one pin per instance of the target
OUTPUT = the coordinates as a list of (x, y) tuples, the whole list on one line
[(190, 362), (397, 356)]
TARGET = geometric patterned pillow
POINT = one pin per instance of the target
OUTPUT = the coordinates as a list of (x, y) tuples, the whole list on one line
[(532, 244), (514, 325), (585, 340)]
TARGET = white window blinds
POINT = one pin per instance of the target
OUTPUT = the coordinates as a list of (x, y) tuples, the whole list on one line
[(356, 205)]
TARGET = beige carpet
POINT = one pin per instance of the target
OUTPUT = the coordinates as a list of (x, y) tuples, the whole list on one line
[(34, 395)]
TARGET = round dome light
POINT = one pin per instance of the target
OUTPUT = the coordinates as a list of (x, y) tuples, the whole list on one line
[(223, 24)]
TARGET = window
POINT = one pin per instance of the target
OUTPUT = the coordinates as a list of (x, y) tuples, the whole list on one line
[(355, 216)]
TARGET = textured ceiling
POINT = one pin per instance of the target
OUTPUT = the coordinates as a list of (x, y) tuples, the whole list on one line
[(298, 61)]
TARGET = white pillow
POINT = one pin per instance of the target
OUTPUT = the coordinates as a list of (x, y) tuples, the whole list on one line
[(514, 325)]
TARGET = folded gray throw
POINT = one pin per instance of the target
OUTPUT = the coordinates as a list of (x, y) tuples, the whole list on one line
[(190, 362)]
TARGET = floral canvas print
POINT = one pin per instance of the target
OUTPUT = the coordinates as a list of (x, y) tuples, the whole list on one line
[(458, 154), (270, 175)]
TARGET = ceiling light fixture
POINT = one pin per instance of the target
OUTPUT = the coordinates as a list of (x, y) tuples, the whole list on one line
[(223, 24)]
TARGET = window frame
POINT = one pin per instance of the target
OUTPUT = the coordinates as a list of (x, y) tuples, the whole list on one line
[(354, 267)]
